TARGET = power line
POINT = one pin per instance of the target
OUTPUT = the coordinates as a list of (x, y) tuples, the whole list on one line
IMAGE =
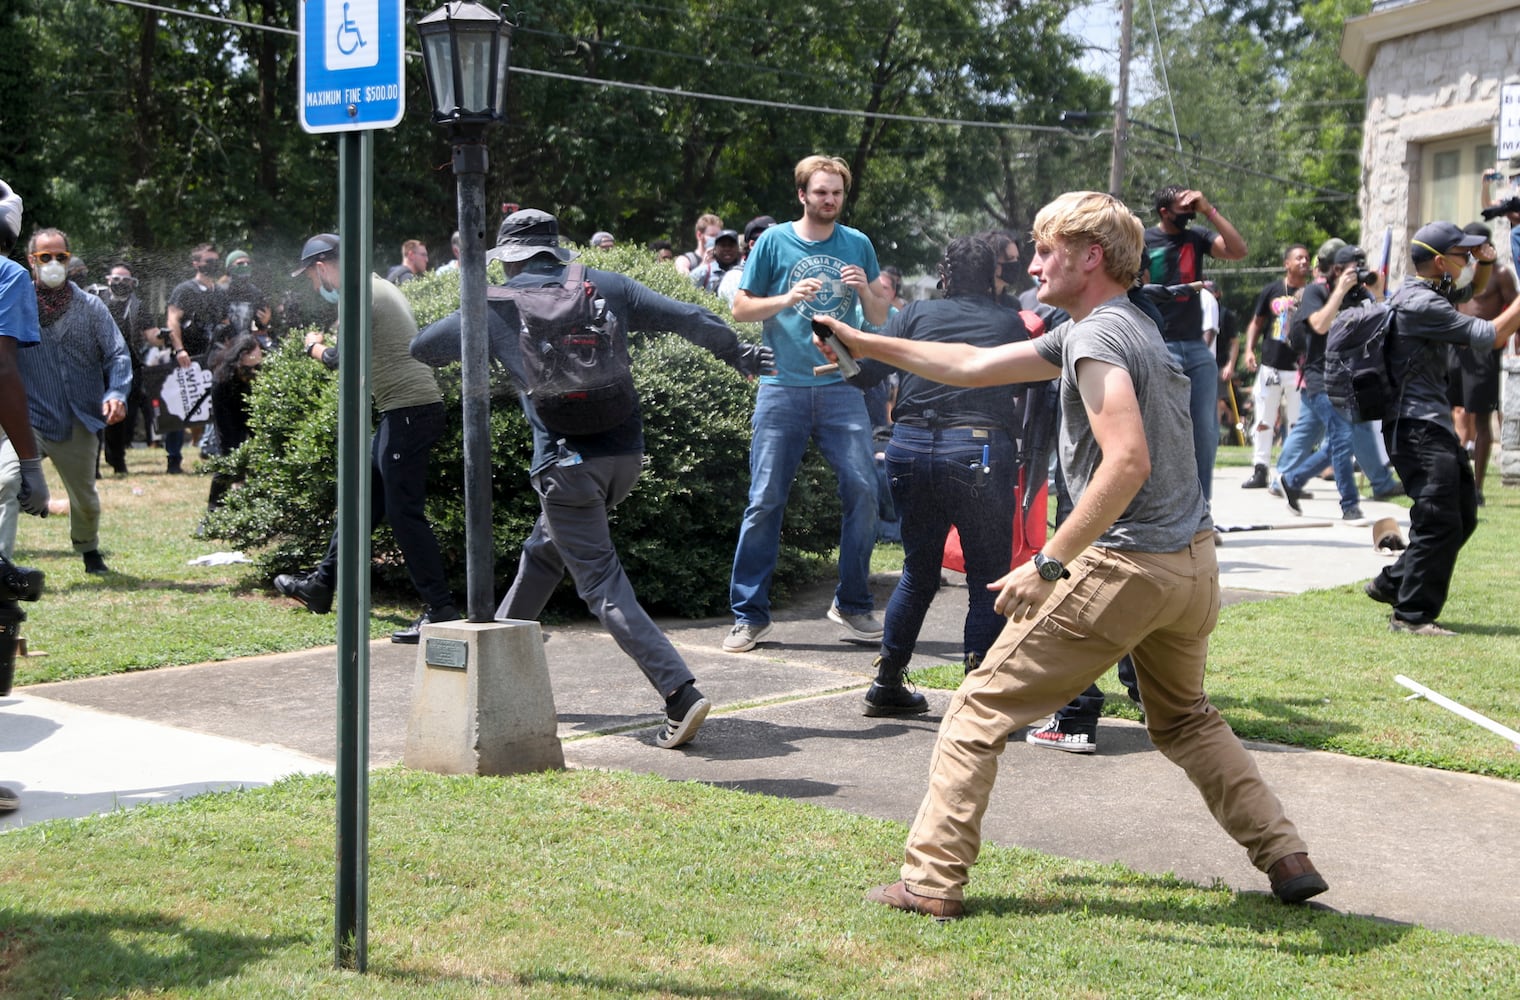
[(652, 89)]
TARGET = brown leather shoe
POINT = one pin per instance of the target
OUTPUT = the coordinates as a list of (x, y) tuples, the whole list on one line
[(899, 896), (1295, 879)]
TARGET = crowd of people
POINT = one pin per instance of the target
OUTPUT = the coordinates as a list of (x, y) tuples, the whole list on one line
[(1112, 361)]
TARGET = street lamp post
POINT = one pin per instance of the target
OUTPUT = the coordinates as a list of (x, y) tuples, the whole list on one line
[(466, 49)]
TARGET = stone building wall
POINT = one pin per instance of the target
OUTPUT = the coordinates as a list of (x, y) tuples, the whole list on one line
[(1422, 88), (1428, 87)]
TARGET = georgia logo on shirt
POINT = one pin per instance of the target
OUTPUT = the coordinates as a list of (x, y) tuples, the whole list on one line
[(835, 298)]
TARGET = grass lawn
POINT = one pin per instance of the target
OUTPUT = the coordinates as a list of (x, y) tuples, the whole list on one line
[(589, 884), (154, 610)]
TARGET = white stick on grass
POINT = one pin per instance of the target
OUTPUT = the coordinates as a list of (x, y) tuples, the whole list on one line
[(1421, 691)]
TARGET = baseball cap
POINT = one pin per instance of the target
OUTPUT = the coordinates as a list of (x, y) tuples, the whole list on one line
[(1436, 238), (601, 236), (727, 234), (318, 247), (527, 233), (754, 227), (1350, 254), (1325, 258)]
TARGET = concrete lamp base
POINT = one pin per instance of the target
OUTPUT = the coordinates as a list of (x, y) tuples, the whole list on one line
[(481, 701)]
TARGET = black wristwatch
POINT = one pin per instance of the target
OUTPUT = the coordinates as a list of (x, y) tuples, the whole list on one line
[(1050, 569)]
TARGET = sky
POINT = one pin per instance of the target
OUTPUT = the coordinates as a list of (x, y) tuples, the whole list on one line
[(1098, 22)]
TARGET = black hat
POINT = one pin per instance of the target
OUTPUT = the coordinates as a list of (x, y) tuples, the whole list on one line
[(527, 233), (317, 248), (1436, 238), (754, 227), (727, 234), (1350, 254)]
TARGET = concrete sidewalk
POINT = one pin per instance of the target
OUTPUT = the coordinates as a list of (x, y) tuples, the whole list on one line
[(1397, 842)]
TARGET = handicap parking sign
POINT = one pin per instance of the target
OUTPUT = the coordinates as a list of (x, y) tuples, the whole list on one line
[(352, 64)]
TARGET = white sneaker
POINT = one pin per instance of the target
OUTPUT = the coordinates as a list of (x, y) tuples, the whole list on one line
[(743, 637), (861, 628)]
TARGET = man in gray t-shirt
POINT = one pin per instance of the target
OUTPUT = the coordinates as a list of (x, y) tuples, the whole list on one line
[(1130, 570)]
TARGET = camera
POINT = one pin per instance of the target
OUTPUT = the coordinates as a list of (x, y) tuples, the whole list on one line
[(19, 583), (1509, 205), (1365, 276)]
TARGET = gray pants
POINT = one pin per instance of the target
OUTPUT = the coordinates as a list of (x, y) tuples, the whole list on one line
[(572, 533), (74, 461)]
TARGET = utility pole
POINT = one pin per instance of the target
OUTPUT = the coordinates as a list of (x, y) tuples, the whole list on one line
[(1121, 107)]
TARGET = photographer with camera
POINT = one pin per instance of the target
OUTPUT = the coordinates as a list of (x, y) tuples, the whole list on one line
[(1350, 283), (22, 485)]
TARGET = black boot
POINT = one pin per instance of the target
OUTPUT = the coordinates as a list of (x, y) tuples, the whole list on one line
[(889, 695), (412, 634), (1257, 480)]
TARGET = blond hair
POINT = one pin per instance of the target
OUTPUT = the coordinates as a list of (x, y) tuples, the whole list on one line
[(1091, 217), (809, 166), (705, 222)]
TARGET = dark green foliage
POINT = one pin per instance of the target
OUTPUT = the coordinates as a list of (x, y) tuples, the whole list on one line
[(676, 532)]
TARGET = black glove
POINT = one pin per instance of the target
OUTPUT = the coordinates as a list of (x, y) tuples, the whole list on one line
[(754, 359), (1502, 208), (33, 495)]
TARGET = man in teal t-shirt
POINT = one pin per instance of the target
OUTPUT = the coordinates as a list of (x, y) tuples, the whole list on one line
[(798, 270)]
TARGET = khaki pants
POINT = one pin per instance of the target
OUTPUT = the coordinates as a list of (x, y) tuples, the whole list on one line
[(74, 461), (1160, 607)]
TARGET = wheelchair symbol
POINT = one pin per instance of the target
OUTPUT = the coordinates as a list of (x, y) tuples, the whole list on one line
[(349, 39)]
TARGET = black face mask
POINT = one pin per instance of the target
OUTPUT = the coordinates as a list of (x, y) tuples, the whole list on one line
[(210, 269), (1009, 271), (1183, 219)]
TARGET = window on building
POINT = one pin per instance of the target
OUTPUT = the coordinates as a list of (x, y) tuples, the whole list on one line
[(1453, 170)]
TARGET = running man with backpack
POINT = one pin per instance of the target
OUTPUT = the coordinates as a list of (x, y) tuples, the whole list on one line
[(586, 462), (1418, 429)]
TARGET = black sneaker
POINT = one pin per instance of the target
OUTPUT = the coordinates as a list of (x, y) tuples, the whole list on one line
[(685, 711), (306, 589), (1257, 480), (1377, 593), (93, 563), (1353, 513), (412, 634), (1293, 496)]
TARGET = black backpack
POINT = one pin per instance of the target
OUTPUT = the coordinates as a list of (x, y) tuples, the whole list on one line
[(574, 355), (1357, 379)]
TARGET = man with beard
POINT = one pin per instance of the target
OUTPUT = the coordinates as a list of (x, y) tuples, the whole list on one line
[(814, 266), (196, 318)]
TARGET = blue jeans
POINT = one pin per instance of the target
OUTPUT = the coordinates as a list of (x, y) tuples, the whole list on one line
[(937, 480), (1202, 369), (1316, 414), (1364, 445), (786, 418)]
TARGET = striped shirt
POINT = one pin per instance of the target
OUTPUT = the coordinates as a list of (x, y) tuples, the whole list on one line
[(81, 362)]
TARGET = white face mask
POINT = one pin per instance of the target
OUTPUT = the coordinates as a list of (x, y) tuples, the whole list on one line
[(52, 274), (1465, 278)]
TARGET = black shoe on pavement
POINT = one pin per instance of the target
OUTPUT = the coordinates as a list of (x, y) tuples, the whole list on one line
[(1293, 496), (9, 800), (1353, 513), (317, 597), (1257, 480), (93, 563), (898, 699), (412, 634), (685, 711)]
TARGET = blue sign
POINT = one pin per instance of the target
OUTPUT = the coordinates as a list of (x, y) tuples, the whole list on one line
[(352, 72)]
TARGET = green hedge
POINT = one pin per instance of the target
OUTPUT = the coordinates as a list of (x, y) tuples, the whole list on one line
[(676, 532)]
